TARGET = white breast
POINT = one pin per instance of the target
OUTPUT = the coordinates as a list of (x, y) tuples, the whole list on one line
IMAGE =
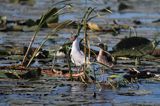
[(77, 56)]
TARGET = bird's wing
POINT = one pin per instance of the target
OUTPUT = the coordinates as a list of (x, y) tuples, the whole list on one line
[(109, 57), (81, 52), (78, 58)]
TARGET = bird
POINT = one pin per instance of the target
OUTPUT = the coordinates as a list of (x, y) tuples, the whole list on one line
[(77, 56), (105, 57)]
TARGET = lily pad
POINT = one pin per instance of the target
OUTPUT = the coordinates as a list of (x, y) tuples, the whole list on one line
[(132, 43), (133, 47)]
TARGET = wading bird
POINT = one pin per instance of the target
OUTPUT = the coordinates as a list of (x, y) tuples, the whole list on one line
[(77, 56), (105, 57)]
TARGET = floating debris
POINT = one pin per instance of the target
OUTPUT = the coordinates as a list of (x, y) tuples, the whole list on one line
[(134, 92), (124, 6), (137, 22), (132, 43), (32, 74), (156, 21), (134, 74), (107, 9), (40, 55), (94, 26)]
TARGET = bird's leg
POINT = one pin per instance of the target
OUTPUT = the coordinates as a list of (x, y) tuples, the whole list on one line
[(102, 73), (76, 68), (81, 69)]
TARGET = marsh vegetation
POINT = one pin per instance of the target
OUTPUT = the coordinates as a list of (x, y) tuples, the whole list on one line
[(35, 64)]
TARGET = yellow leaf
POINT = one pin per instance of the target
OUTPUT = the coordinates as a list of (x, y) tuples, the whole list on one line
[(94, 26)]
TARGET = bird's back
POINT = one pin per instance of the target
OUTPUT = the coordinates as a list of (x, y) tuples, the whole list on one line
[(105, 58)]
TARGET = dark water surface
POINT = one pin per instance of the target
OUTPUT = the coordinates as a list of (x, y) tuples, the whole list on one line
[(58, 91)]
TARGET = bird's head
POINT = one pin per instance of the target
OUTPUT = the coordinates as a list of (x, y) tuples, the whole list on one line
[(73, 38), (102, 46)]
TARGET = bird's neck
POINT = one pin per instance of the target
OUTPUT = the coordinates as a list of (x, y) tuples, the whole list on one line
[(75, 44), (101, 52)]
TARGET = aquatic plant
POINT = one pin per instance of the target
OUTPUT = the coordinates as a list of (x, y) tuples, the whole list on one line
[(50, 13)]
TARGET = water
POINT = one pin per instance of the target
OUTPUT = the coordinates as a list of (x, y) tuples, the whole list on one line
[(60, 91)]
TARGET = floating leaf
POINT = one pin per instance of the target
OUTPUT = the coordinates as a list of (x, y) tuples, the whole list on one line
[(123, 6), (132, 43), (114, 76), (30, 22), (94, 26), (12, 75)]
